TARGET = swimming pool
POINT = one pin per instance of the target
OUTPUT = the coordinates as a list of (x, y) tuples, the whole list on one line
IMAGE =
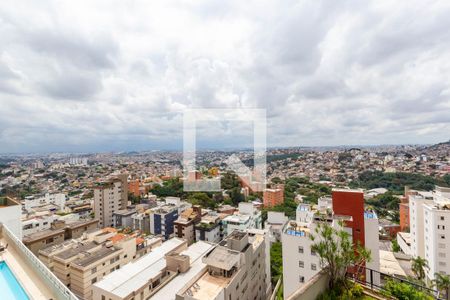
[(10, 288)]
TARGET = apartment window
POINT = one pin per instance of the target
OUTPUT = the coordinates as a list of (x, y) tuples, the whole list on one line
[(442, 236), (94, 280), (301, 264), (441, 254), (300, 249), (442, 264), (301, 279), (313, 253), (442, 218), (313, 267), (94, 270), (111, 261)]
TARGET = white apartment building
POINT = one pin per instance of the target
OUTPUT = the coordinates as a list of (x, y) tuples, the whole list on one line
[(247, 217), (109, 197), (31, 202), (274, 223), (37, 223), (300, 263), (430, 229)]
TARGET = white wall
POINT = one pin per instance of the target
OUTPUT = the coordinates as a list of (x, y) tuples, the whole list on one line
[(11, 217)]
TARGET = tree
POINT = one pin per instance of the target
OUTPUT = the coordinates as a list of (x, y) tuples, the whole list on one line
[(418, 267), (442, 283), (337, 252), (395, 246), (404, 291)]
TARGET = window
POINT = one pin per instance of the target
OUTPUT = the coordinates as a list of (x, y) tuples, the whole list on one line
[(300, 249), (442, 218), (442, 236), (301, 264), (103, 297), (94, 280), (94, 270), (301, 279), (313, 267), (313, 253)]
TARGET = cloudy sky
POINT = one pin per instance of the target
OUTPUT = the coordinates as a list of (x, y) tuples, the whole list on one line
[(117, 75)]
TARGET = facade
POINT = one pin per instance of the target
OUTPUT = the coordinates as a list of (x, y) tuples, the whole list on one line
[(162, 220), (82, 262), (58, 232), (247, 217), (35, 201), (37, 223), (273, 197), (184, 226), (209, 229), (300, 263), (123, 218), (109, 197), (430, 229), (274, 223), (134, 187)]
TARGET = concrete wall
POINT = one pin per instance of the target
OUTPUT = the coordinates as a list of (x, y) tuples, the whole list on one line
[(310, 291)]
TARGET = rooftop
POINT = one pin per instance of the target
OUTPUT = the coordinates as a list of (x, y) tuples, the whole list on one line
[(207, 286), (134, 275), (222, 258), (90, 258)]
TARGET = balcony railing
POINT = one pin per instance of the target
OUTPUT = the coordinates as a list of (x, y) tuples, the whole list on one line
[(62, 292)]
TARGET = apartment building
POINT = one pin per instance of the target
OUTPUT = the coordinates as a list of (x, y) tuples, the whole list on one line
[(124, 218), (184, 226), (430, 229), (37, 223), (274, 196), (209, 228), (300, 263), (80, 263), (247, 217), (109, 197), (58, 232), (57, 199), (274, 223)]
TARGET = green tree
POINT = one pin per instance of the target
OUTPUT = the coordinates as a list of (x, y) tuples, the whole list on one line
[(442, 283), (395, 246), (404, 291), (202, 199), (418, 267), (337, 252)]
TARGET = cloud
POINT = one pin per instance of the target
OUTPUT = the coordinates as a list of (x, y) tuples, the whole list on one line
[(99, 76)]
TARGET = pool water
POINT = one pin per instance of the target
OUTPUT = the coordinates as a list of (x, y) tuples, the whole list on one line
[(10, 288)]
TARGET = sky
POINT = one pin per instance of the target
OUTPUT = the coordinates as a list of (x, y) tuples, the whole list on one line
[(92, 76)]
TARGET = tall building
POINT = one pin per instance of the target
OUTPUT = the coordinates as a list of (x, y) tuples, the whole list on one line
[(109, 197), (430, 229), (300, 263)]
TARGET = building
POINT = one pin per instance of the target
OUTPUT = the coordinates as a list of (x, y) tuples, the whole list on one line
[(134, 187), (10, 215), (31, 202), (247, 217), (109, 197), (124, 218), (273, 197), (430, 229), (300, 263), (34, 224), (184, 225), (234, 269), (29, 277), (58, 232), (162, 220), (80, 263), (209, 228), (274, 223)]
